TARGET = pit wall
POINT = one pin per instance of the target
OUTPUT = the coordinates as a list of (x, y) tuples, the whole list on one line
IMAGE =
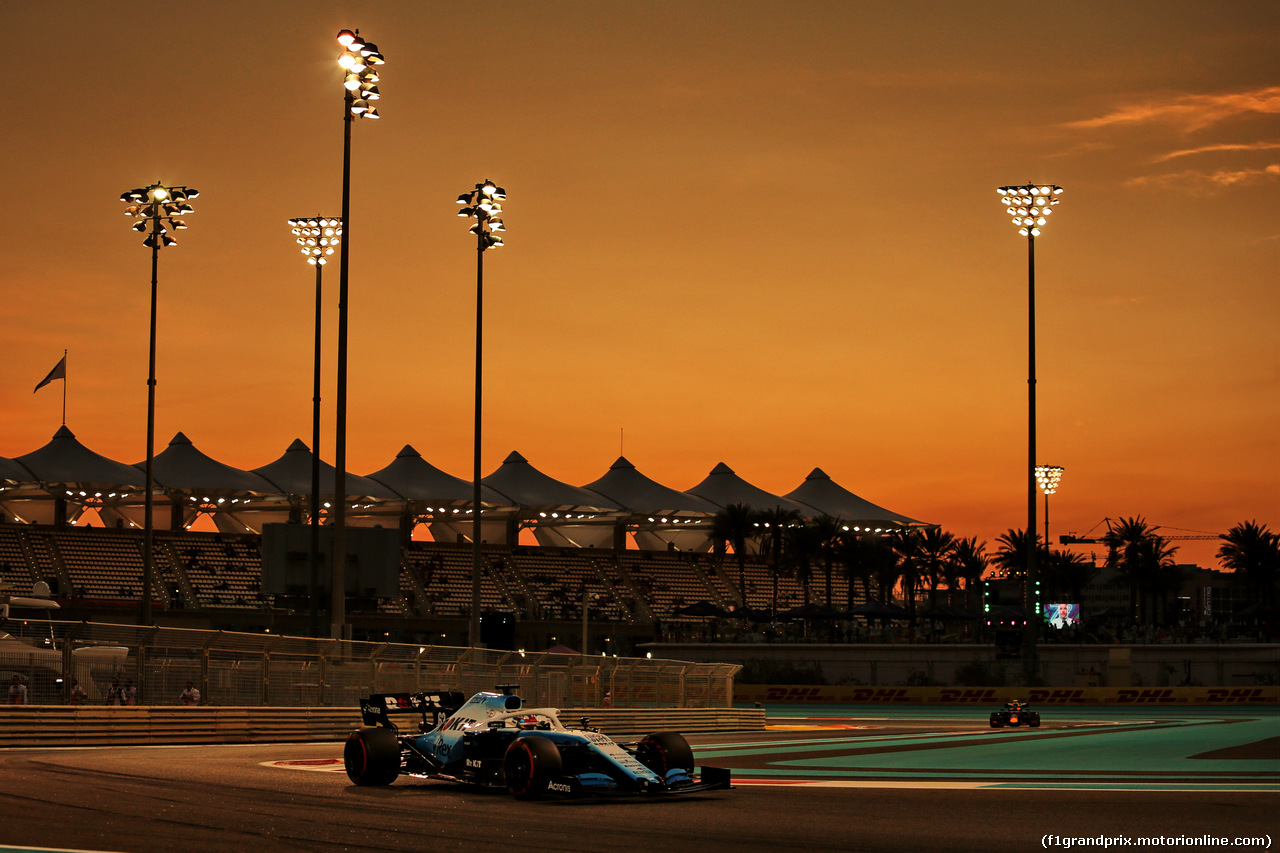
[(747, 694)]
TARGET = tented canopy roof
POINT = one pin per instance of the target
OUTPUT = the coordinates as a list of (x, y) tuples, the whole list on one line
[(183, 468), (626, 486), (12, 472), (291, 474), (413, 477), (723, 487), (526, 486), (822, 493), (65, 461)]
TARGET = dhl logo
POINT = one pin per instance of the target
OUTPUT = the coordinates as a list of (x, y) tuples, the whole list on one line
[(1237, 695), (980, 694), (1065, 696)]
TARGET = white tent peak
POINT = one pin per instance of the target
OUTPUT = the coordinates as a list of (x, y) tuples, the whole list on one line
[(184, 467), (64, 460), (828, 497), (291, 474), (723, 487), (525, 485), (413, 477), (626, 486)]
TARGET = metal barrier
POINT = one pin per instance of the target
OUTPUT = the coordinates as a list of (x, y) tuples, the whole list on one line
[(235, 669)]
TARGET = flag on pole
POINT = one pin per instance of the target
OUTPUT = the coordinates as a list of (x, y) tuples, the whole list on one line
[(59, 372)]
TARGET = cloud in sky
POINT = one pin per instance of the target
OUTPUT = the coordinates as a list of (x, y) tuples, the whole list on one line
[(1197, 180), (1209, 149), (1191, 112)]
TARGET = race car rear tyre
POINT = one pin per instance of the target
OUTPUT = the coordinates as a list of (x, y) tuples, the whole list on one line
[(372, 756), (663, 752), (529, 766)]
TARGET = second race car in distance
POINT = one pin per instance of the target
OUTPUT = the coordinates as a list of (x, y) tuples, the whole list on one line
[(1015, 713), (492, 740)]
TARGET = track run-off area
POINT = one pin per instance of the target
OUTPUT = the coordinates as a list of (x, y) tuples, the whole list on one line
[(820, 777), (1149, 748)]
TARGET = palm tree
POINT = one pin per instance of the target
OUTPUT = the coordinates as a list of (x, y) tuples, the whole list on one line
[(735, 526), (970, 561), (1156, 557), (930, 554), (1142, 558), (909, 567), (864, 556), (887, 568), (1065, 575), (1253, 550), (774, 523), (827, 531), (802, 545), (1011, 558)]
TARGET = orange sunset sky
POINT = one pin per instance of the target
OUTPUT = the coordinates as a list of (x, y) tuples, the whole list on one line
[(759, 233)]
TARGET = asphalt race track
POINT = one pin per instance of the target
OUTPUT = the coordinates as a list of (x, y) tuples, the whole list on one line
[(821, 778)]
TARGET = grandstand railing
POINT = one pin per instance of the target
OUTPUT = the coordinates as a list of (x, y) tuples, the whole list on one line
[(267, 669)]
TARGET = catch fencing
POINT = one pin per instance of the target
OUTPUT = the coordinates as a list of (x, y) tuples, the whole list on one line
[(238, 669)]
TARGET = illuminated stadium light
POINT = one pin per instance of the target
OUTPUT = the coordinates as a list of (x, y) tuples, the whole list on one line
[(156, 209), (1047, 477), (360, 60), (483, 204), (1030, 206), (318, 236)]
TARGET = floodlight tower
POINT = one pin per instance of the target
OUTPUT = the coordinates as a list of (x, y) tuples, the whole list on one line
[(317, 235), (1048, 477), (154, 208), (483, 204), (1029, 207), (360, 61)]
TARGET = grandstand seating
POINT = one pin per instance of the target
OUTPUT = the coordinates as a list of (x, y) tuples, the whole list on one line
[(13, 562), (215, 571), (224, 570)]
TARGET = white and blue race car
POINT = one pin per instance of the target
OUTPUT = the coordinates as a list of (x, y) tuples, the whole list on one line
[(493, 741)]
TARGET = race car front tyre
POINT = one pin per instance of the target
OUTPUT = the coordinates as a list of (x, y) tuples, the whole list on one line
[(1035, 724), (372, 756), (663, 752), (529, 766)]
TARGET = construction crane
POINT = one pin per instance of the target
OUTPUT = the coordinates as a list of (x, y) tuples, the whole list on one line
[(1072, 539)]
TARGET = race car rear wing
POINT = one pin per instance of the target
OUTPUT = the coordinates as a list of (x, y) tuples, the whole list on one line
[(376, 710)]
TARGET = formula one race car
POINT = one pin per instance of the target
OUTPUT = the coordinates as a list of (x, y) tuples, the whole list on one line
[(1015, 713), (493, 741)]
